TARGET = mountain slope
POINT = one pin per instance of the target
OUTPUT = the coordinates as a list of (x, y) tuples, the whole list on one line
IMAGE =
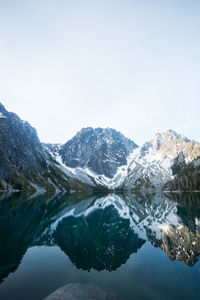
[(151, 166), (94, 159), (20, 150), (24, 163), (154, 164)]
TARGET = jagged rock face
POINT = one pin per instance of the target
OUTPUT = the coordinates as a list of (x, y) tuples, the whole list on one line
[(25, 163), (170, 144), (97, 157), (158, 161), (105, 151), (20, 149), (101, 150)]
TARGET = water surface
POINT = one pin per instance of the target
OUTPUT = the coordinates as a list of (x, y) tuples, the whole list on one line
[(137, 247)]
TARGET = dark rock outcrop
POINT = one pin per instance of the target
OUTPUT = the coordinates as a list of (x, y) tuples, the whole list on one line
[(21, 152)]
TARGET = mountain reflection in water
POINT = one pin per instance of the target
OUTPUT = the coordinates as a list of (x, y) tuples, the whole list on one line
[(100, 232)]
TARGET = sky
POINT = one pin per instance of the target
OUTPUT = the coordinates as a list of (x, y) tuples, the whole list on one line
[(130, 65)]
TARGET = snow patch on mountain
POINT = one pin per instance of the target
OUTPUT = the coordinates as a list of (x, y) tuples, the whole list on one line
[(148, 168), (138, 166), (143, 168)]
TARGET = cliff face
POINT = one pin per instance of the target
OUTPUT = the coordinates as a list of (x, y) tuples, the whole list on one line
[(100, 150), (25, 164), (167, 159), (21, 152), (170, 144)]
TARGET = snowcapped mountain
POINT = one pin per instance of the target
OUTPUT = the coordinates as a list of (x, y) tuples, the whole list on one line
[(94, 159), (98, 157), (155, 163), (104, 157), (102, 151), (171, 145)]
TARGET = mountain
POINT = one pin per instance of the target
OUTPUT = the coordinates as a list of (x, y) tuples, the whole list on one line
[(103, 151), (24, 163), (104, 157), (95, 159), (171, 145), (161, 160), (97, 156)]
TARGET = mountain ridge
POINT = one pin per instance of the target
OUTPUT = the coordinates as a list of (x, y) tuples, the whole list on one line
[(95, 158)]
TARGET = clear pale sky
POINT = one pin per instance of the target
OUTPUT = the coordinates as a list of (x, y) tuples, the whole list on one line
[(129, 65)]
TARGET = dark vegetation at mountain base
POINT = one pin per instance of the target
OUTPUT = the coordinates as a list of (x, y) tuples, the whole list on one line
[(187, 177)]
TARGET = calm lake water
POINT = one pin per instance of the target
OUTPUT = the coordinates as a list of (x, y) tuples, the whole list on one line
[(137, 247)]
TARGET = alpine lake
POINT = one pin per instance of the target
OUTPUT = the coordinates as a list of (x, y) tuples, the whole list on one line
[(131, 246)]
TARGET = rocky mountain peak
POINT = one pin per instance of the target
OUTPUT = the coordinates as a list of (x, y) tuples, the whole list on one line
[(102, 133), (170, 144), (169, 135), (95, 157), (172, 135), (11, 122), (102, 150)]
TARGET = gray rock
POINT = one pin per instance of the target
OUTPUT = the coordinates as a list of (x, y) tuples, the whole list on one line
[(21, 153), (78, 291), (101, 150)]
